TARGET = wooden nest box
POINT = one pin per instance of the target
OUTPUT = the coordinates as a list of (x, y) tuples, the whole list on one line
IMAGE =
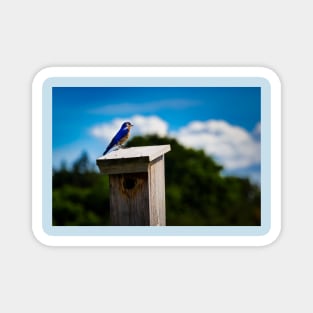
[(137, 185)]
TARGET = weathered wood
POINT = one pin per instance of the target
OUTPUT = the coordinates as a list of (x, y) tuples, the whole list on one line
[(117, 166), (130, 160), (157, 192), (137, 185), (129, 199), (152, 152)]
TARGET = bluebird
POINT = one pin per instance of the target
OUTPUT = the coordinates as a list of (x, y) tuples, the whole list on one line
[(120, 137)]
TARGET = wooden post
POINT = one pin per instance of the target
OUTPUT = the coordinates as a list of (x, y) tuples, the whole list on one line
[(137, 185)]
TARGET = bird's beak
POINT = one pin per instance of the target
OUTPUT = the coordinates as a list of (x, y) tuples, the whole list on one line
[(131, 125)]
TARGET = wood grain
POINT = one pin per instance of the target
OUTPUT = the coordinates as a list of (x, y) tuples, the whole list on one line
[(137, 185), (129, 199)]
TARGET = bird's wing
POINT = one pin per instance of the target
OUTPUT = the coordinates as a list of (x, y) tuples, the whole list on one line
[(121, 133)]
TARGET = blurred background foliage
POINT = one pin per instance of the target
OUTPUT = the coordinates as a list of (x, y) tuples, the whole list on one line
[(197, 194)]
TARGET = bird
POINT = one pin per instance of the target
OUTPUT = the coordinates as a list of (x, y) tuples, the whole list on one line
[(121, 136)]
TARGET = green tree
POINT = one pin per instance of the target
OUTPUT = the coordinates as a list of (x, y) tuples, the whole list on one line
[(80, 195)]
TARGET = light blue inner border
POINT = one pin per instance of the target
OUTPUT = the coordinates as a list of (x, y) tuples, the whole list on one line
[(162, 230)]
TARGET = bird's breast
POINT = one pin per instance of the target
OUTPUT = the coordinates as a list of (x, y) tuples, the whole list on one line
[(123, 139)]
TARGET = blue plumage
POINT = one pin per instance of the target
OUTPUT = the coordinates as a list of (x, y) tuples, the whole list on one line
[(121, 136)]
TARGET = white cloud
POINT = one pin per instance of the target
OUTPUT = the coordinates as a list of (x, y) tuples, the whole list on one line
[(232, 146), (257, 131), (143, 125)]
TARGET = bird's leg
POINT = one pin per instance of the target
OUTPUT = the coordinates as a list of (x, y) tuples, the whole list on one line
[(120, 146), (117, 148)]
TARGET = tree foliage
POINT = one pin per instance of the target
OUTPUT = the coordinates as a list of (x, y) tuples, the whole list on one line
[(80, 195), (196, 191)]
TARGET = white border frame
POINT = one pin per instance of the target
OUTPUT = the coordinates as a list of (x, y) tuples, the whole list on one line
[(245, 72)]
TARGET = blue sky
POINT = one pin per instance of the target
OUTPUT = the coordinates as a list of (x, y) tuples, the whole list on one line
[(224, 121)]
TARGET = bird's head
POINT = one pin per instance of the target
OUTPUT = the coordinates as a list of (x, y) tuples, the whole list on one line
[(128, 125)]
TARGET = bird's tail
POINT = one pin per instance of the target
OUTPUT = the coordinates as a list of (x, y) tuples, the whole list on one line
[(110, 146), (106, 151)]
